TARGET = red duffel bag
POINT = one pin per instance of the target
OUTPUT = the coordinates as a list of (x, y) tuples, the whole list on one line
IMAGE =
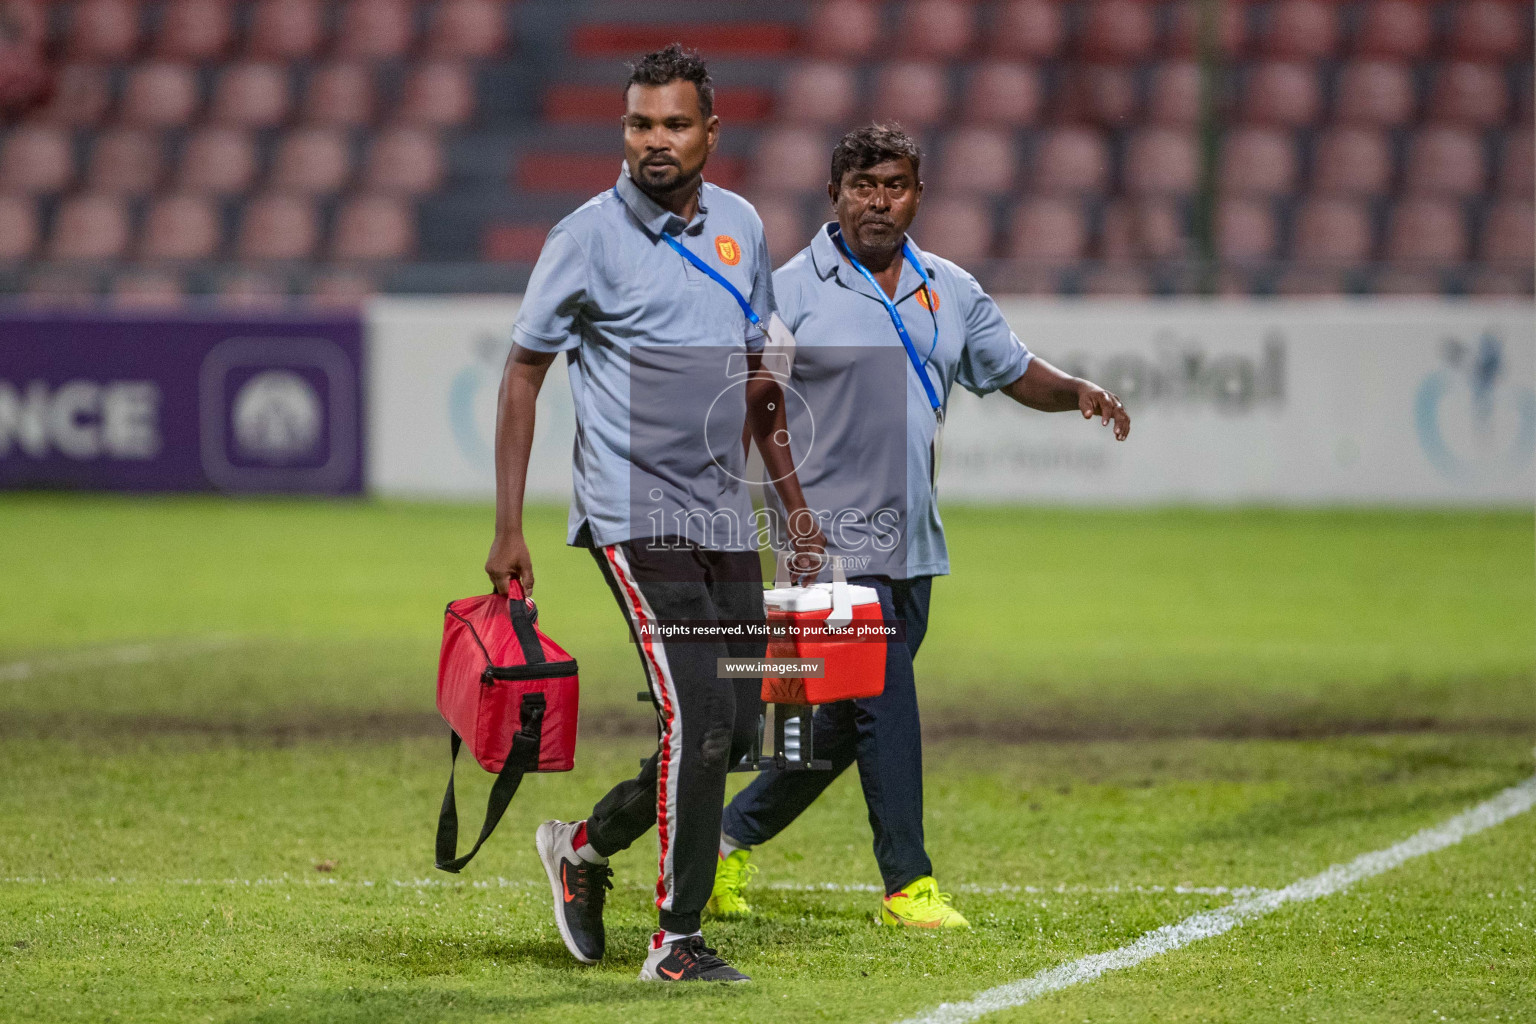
[(511, 693)]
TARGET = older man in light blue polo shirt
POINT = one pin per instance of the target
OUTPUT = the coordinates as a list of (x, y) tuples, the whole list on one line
[(883, 331)]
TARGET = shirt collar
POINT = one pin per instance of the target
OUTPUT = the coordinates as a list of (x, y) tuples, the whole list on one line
[(828, 261), (656, 220)]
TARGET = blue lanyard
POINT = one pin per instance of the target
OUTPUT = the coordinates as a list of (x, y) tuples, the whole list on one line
[(746, 307), (901, 327)]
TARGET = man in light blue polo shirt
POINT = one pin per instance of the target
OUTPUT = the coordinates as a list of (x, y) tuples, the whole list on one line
[(865, 304)]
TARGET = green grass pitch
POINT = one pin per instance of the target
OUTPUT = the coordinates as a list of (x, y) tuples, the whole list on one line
[(1131, 714)]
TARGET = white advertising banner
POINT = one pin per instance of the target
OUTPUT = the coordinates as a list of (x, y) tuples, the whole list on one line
[(1391, 402)]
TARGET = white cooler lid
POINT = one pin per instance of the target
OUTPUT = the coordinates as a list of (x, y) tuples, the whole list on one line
[(815, 598)]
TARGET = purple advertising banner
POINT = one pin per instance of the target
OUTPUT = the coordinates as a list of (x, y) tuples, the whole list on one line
[(140, 403)]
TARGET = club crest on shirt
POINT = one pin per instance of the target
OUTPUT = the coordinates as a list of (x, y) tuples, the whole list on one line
[(923, 295), (728, 250)]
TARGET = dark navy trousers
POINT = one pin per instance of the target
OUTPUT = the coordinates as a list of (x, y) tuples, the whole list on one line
[(882, 734)]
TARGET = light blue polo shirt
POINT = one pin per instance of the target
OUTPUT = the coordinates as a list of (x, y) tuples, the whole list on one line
[(832, 309), (655, 350)]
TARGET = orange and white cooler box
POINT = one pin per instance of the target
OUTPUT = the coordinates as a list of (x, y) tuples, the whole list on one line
[(854, 664)]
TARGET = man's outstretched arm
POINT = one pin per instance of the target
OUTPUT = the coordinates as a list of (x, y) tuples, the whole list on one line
[(515, 404), (1046, 388)]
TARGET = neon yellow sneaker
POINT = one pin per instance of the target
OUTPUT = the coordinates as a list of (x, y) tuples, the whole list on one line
[(920, 905), (731, 876)]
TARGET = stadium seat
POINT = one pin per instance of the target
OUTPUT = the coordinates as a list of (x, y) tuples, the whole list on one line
[(180, 228), (1114, 281), (791, 160), (251, 96), (1244, 230), (286, 29), (936, 29), (1493, 283), (784, 226), (1509, 233), (340, 289), (1070, 160), (1047, 232), (1117, 30), (277, 227), (1517, 163), (1421, 230), (821, 93), (311, 161), (374, 29), (148, 289), (1147, 229), (1488, 30), (1352, 161), (521, 243), (1257, 162), (160, 94), (1470, 94), (1374, 93), (1162, 161), (1174, 98), (1007, 95), (977, 160), (89, 227), (81, 95), (370, 228), (103, 30), (1301, 30), (1331, 231), (1394, 30), (1105, 94), (1311, 282), (844, 28), (217, 161), (250, 289), (468, 29), (1404, 281), (55, 287), (36, 159), (1445, 161), (339, 95), (913, 93), (438, 93), (125, 162), (18, 228), (1184, 32), (956, 228), (1282, 93), (195, 30), (1028, 29), (403, 161)]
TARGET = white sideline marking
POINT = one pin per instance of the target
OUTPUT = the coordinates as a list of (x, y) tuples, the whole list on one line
[(1515, 800), (130, 654), (1062, 889)]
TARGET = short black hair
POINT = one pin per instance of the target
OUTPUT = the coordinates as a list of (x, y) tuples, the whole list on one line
[(873, 144), (674, 64)]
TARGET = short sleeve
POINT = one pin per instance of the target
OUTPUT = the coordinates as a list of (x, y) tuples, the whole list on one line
[(762, 287), (993, 355), (554, 297)]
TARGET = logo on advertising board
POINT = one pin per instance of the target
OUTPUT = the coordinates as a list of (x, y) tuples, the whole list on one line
[(472, 400), (1473, 421), (1182, 370)]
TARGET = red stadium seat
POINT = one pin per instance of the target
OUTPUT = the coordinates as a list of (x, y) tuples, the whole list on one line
[(36, 159), (1489, 30), (125, 162), (1115, 281), (1509, 233), (937, 29), (521, 243), (1105, 94), (81, 95), (1071, 160), (1283, 93), (468, 29), (1118, 30), (1470, 94), (277, 227), (311, 161), (1245, 230), (1426, 231), (1374, 93), (18, 228), (1494, 283), (913, 93), (341, 289), (1184, 34), (103, 30), (249, 289), (1258, 162), (1028, 29), (195, 30), (340, 95), (218, 161), (1007, 95), (160, 95), (1395, 30), (439, 93), (844, 28), (1142, 229), (1331, 231), (371, 228), (404, 161), (181, 228), (1162, 161), (1352, 161), (978, 160), (1175, 94), (1403, 281), (1313, 282), (1517, 163), (251, 96), (791, 160), (1301, 30), (1445, 161), (1047, 232), (956, 228), (819, 93), (784, 225), (148, 289), (89, 227), (286, 29), (374, 28)]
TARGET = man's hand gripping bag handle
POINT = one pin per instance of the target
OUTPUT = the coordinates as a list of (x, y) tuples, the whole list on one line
[(842, 599)]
